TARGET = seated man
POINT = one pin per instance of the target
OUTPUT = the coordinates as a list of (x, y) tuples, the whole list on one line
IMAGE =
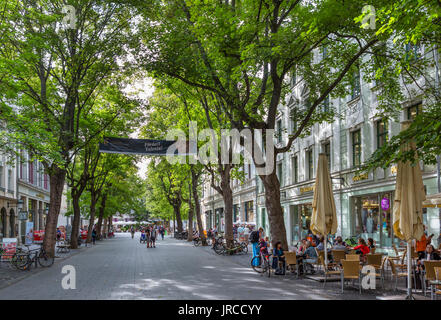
[(339, 245), (310, 256)]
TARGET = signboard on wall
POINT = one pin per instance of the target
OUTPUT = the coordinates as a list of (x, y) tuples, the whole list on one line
[(9, 245), (29, 233)]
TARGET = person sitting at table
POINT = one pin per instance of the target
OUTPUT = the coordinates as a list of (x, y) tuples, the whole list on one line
[(339, 239), (430, 254), (362, 248), (278, 256), (339, 245), (302, 247), (321, 244), (370, 243), (310, 256)]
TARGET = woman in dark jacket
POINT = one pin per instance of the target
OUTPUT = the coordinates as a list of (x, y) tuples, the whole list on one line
[(278, 256)]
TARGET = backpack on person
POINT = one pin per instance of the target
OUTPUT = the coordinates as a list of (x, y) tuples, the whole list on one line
[(254, 237)]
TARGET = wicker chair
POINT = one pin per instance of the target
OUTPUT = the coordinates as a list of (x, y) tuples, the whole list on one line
[(338, 255), (377, 261), (350, 271), (437, 277), (396, 273), (353, 257), (429, 272)]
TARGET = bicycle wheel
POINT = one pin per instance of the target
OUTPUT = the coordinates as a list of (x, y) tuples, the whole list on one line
[(256, 264), (267, 267), (219, 248), (20, 261), (197, 242), (244, 247), (45, 260)]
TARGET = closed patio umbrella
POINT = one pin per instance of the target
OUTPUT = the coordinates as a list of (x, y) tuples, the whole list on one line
[(408, 205), (324, 215)]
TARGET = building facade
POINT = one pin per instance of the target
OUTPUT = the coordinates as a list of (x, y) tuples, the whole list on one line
[(364, 202), (34, 191), (244, 201), (8, 197)]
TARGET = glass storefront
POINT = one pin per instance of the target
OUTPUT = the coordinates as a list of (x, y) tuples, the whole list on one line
[(372, 218), (300, 220)]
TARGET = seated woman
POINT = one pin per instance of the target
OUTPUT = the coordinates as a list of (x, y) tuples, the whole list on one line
[(370, 243), (362, 248), (302, 247), (278, 256), (428, 255)]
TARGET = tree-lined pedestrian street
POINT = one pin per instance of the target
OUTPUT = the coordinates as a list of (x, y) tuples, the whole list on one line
[(122, 268), (287, 149)]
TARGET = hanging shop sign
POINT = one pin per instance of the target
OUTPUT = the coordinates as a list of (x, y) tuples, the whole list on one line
[(23, 215), (148, 147), (385, 204)]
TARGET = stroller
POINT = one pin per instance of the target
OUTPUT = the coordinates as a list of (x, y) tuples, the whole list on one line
[(143, 238)]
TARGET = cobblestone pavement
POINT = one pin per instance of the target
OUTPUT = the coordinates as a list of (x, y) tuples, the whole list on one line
[(122, 268)]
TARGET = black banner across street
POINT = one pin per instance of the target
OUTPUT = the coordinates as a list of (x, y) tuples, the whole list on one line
[(148, 147)]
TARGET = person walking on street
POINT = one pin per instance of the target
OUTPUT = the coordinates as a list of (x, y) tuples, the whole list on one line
[(147, 236), (153, 235), (93, 236), (162, 233), (132, 231)]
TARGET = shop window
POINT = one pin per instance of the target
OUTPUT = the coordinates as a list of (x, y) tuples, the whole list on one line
[(382, 133), (356, 148)]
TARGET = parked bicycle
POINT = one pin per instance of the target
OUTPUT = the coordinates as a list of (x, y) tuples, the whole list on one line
[(261, 264), (25, 258)]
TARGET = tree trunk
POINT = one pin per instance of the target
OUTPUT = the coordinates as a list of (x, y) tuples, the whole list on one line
[(194, 184), (275, 212), (105, 231), (227, 195), (76, 219), (190, 220), (101, 216), (56, 177), (177, 211), (93, 200)]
